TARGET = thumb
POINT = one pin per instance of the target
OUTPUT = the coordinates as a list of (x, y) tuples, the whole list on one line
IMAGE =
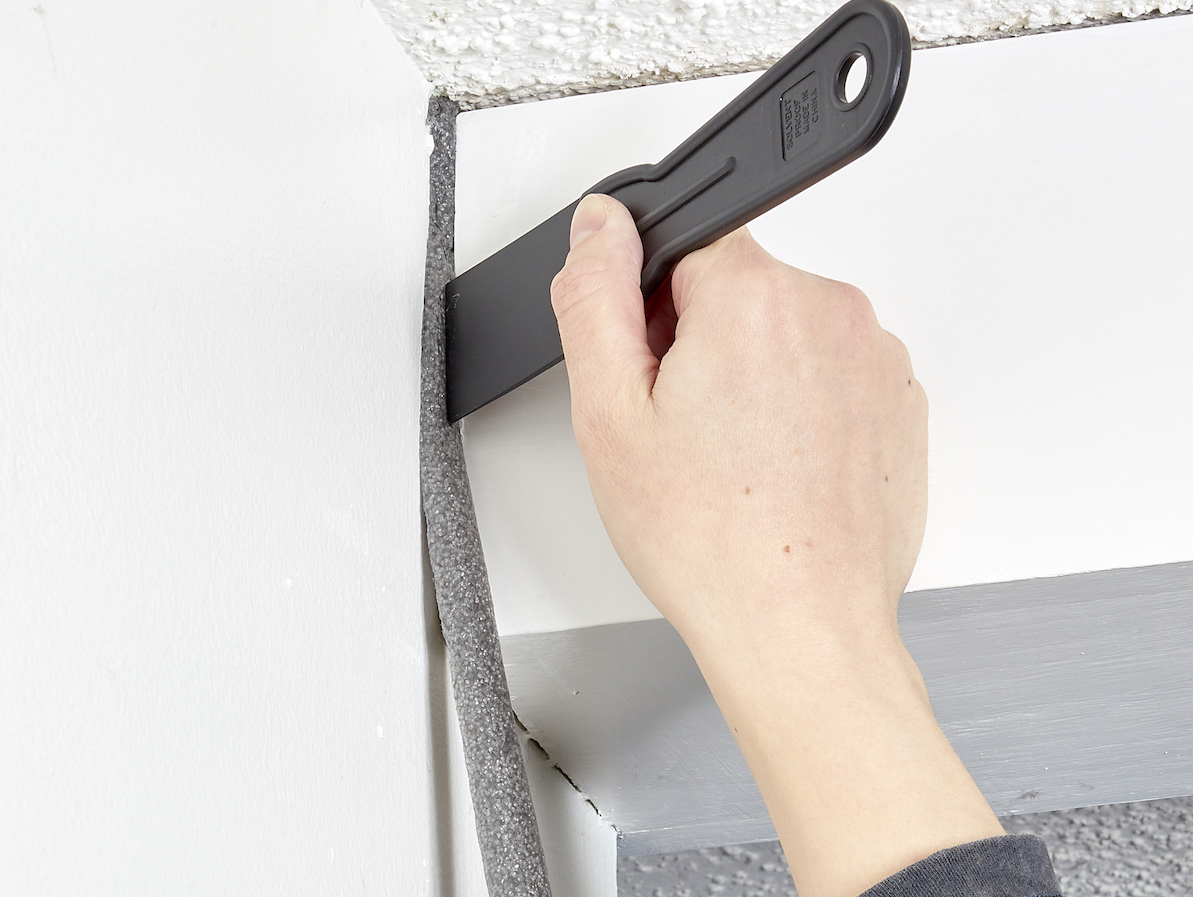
[(598, 304)]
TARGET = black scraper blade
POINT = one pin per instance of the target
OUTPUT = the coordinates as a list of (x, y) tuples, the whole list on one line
[(821, 106)]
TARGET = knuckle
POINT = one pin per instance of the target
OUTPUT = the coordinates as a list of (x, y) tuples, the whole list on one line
[(900, 354), (858, 309), (852, 323), (688, 272), (568, 289), (765, 294), (584, 277)]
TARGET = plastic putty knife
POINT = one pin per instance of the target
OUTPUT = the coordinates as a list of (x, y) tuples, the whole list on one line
[(791, 127)]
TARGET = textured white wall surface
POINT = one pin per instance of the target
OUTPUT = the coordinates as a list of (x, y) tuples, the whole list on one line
[(217, 668), (490, 52)]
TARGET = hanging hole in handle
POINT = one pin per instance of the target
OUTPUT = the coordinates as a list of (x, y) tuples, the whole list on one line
[(853, 77)]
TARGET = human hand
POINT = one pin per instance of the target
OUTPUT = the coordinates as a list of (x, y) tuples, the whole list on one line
[(770, 470), (757, 448)]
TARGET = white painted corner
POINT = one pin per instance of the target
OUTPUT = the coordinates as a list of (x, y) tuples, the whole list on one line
[(580, 846)]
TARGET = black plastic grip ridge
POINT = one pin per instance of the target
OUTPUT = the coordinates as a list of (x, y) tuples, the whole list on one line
[(791, 128)]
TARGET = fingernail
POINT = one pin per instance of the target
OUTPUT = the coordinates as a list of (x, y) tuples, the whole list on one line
[(590, 217)]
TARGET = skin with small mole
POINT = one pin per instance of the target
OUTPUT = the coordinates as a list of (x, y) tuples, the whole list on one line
[(787, 378)]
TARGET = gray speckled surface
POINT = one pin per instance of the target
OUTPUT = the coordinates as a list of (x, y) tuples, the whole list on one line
[(505, 822), (1121, 850)]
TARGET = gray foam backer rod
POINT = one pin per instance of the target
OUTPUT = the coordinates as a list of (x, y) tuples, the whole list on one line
[(511, 848)]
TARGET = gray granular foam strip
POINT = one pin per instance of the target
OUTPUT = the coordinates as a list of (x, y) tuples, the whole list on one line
[(506, 826)]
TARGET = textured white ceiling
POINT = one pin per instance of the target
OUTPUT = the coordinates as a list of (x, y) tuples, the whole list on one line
[(490, 52)]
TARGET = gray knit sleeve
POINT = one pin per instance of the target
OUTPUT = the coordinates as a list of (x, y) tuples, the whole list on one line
[(1006, 866)]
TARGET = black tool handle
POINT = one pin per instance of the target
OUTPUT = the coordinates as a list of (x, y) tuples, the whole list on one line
[(792, 127), (789, 129)]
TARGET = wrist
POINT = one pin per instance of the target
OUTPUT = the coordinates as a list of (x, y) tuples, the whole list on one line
[(757, 641), (838, 730), (807, 661)]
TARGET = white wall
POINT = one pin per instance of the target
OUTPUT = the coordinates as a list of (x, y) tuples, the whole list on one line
[(214, 642)]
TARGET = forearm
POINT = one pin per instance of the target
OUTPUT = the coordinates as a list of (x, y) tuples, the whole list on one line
[(840, 736)]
